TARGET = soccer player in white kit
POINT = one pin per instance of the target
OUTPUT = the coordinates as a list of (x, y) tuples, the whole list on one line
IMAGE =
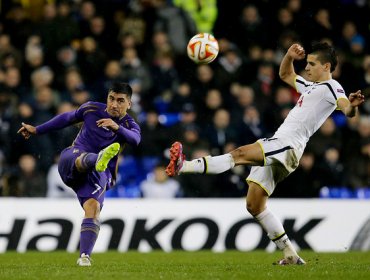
[(273, 159)]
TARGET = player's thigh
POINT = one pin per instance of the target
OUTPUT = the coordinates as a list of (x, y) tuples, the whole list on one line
[(66, 167), (251, 154), (94, 186), (278, 151)]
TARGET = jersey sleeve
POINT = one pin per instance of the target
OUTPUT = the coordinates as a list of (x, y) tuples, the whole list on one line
[(301, 84), (130, 133), (58, 122), (339, 93)]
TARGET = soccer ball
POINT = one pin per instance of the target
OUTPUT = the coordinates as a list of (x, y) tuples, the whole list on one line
[(203, 48)]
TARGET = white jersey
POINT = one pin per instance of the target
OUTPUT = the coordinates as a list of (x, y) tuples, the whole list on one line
[(316, 103)]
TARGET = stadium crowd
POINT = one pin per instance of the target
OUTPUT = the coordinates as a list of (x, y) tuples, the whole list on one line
[(56, 55)]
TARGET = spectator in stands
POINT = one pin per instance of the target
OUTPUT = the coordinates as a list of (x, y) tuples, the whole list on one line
[(204, 13), (9, 55), (230, 69), (242, 97), (264, 86), (164, 75), (13, 83), (42, 77), (321, 27), (18, 25), (155, 138), (204, 80), (220, 131), (182, 95), (8, 109), (349, 32), (66, 59), (251, 126), (102, 36), (359, 159), (177, 23), (191, 136), (72, 80), (159, 185), (86, 11), (327, 136), (91, 59), (32, 182), (213, 101), (159, 44), (251, 29), (331, 169), (112, 73), (365, 77), (135, 70)]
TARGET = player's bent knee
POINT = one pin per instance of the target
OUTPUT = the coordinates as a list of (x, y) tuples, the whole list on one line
[(252, 208)]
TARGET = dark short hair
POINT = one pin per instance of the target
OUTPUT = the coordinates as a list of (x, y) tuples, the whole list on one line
[(325, 54), (119, 87)]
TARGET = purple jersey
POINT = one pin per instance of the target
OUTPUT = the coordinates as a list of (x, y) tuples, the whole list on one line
[(92, 138)]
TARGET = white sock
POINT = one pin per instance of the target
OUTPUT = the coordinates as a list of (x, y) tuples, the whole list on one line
[(208, 164), (275, 231)]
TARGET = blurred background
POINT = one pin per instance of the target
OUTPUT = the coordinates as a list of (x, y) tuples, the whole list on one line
[(56, 55)]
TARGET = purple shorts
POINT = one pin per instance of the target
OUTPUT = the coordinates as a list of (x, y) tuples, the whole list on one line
[(90, 184)]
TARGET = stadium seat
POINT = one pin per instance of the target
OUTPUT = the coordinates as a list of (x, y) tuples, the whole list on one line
[(336, 192), (169, 119), (344, 192)]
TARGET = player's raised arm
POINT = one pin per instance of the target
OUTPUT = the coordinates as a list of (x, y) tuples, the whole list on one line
[(286, 71), (58, 122), (349, 108)]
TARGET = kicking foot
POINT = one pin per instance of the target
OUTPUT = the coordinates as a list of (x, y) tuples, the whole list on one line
[(176, 159), (105, 156), (84, 260), (291, 260)]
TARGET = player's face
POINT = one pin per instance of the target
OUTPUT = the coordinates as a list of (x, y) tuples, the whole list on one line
[(117, 104), (316, 71)]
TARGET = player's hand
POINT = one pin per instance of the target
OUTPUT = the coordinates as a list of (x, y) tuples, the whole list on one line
[(296, 51), (27, 130), (356, 98), (108, 123)]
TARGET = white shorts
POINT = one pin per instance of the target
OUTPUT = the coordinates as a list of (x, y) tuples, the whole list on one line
[(280, 159)]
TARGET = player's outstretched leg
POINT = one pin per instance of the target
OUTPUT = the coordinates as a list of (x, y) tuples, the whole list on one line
[(105, 156), (84, 260), (176, 159), (208, 164)]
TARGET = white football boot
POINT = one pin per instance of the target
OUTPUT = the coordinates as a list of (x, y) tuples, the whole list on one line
[(84, 260)]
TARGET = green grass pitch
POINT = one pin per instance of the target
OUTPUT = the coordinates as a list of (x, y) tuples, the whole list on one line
[(183, 265)]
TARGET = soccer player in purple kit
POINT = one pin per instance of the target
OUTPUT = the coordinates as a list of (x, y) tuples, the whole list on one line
[(89, 165)]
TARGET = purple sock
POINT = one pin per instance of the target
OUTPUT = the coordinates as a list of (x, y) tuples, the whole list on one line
[(89, 233), (88, 160)]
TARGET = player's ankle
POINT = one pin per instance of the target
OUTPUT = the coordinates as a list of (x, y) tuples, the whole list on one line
[(289, 251)]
